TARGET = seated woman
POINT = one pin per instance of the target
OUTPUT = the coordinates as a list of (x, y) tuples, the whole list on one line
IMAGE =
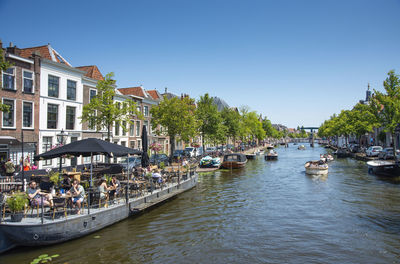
[(115, 187), (35, 195), (103, 189), (77, 193), (66, 182)]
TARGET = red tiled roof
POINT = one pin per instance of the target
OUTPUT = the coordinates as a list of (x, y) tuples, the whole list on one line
[(154, 94), (46, 52), (92, 72), (138, 91), (43, 50)]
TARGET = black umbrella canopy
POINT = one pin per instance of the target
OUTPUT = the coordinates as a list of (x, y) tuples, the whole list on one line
[(87, 147), (145, 156)]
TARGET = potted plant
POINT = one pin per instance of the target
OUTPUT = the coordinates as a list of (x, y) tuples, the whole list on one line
[(16, 203)]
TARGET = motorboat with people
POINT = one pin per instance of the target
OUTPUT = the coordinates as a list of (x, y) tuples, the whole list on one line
[(271, 153), (251, 155), (234, 161), (384, 168), (326, 157), (301, 147), (316, 167), (210, 162)]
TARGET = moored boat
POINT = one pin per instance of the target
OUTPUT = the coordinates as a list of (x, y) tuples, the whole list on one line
[(326, 157), (234, 161), (301, 147), (251, 156), (271, 154), (316, 167), (210, 162), (384, 168), (342, 153)]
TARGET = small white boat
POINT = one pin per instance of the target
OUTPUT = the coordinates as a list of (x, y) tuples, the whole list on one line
[(326, 157), (316, 167), (272, 154), (301, 147)]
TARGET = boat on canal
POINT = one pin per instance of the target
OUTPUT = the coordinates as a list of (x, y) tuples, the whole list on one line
[(210, 162), (326, 157), (316, 167), (234, 161), (301, 147), (271, 153), (40, 229), (384, 168), (251, 156)]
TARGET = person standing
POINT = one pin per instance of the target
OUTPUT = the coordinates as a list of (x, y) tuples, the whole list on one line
[(10, 167)]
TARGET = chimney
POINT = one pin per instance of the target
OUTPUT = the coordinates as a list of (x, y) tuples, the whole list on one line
[(11, 44), (12, 49)]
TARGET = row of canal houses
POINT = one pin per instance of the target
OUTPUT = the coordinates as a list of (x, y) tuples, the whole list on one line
[(46, 95)]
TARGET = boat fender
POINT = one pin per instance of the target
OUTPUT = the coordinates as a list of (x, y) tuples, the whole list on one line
[(84, 224), (35, 236)]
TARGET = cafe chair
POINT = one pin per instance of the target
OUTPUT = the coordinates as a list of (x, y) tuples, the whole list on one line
[(59, 202)]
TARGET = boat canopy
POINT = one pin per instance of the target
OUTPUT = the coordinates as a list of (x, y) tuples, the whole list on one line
[(235, 157)]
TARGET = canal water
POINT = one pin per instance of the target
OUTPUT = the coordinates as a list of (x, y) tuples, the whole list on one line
[(267, 212)]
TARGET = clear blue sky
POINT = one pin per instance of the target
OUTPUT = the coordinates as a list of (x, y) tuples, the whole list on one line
[(296, 62)]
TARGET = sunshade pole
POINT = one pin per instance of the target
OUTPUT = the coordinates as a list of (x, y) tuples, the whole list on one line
[(90, 183)]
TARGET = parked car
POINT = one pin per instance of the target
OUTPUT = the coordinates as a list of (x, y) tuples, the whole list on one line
[(354, 148), (387, 153), (374, 151), (194, 152), (133, 162), (156, 159), (211, 149), (178, 153)]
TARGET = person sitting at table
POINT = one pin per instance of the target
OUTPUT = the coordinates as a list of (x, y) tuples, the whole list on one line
[(157, 177), (103, 189), (66, 182), (115, 187), (77, 193), (35, 194)]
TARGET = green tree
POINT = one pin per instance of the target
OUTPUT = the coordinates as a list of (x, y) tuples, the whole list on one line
[(386, 106), (362, 119), (176, 116), (231, 120), (103, 112), (208, 118), (4, 65)]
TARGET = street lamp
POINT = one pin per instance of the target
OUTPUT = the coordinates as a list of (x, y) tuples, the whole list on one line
[(61, 139)]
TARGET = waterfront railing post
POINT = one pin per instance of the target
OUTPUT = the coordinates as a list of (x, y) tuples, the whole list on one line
[(41, 199)]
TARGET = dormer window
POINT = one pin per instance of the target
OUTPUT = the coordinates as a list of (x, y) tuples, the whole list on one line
[(60, 59)]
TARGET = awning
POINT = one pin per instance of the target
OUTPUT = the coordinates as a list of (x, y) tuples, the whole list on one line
[(8, 140)]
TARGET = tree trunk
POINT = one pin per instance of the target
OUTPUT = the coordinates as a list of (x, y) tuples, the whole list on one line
[(172, 143), (394, 146), (202, 143)]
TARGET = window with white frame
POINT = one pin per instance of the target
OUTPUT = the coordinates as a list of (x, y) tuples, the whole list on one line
[(27, 81), (123, 143), (146, 110), (116, 131), (131, 129), (71, 90), (9, 79), (132, 143), (46, 146), (124, 128), (138, 128), (70, 118), (92, 94), (53, 86), (27, 114), (9, 116), (146, 124), (52, 116), (139, 109)]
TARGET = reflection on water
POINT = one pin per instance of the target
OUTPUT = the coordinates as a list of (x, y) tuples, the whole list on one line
[(267, 212)]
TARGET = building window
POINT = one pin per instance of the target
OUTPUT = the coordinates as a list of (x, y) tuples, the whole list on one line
[(92, 94), (71, 90), (53, 86), (132, 144), (9, 79), (27, 115), (138, 109), (146, 110), (116, 132), (124, 128), (138, 128), (70, 118), (131, 129), (9, 117), (52, 116), (46, 146), (123, 143), (28, 81)]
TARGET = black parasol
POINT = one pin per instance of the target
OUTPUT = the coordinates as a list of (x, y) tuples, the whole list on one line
[(145, 146)]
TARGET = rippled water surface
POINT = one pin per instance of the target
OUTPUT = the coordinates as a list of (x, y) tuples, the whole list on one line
[(268, 212)]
